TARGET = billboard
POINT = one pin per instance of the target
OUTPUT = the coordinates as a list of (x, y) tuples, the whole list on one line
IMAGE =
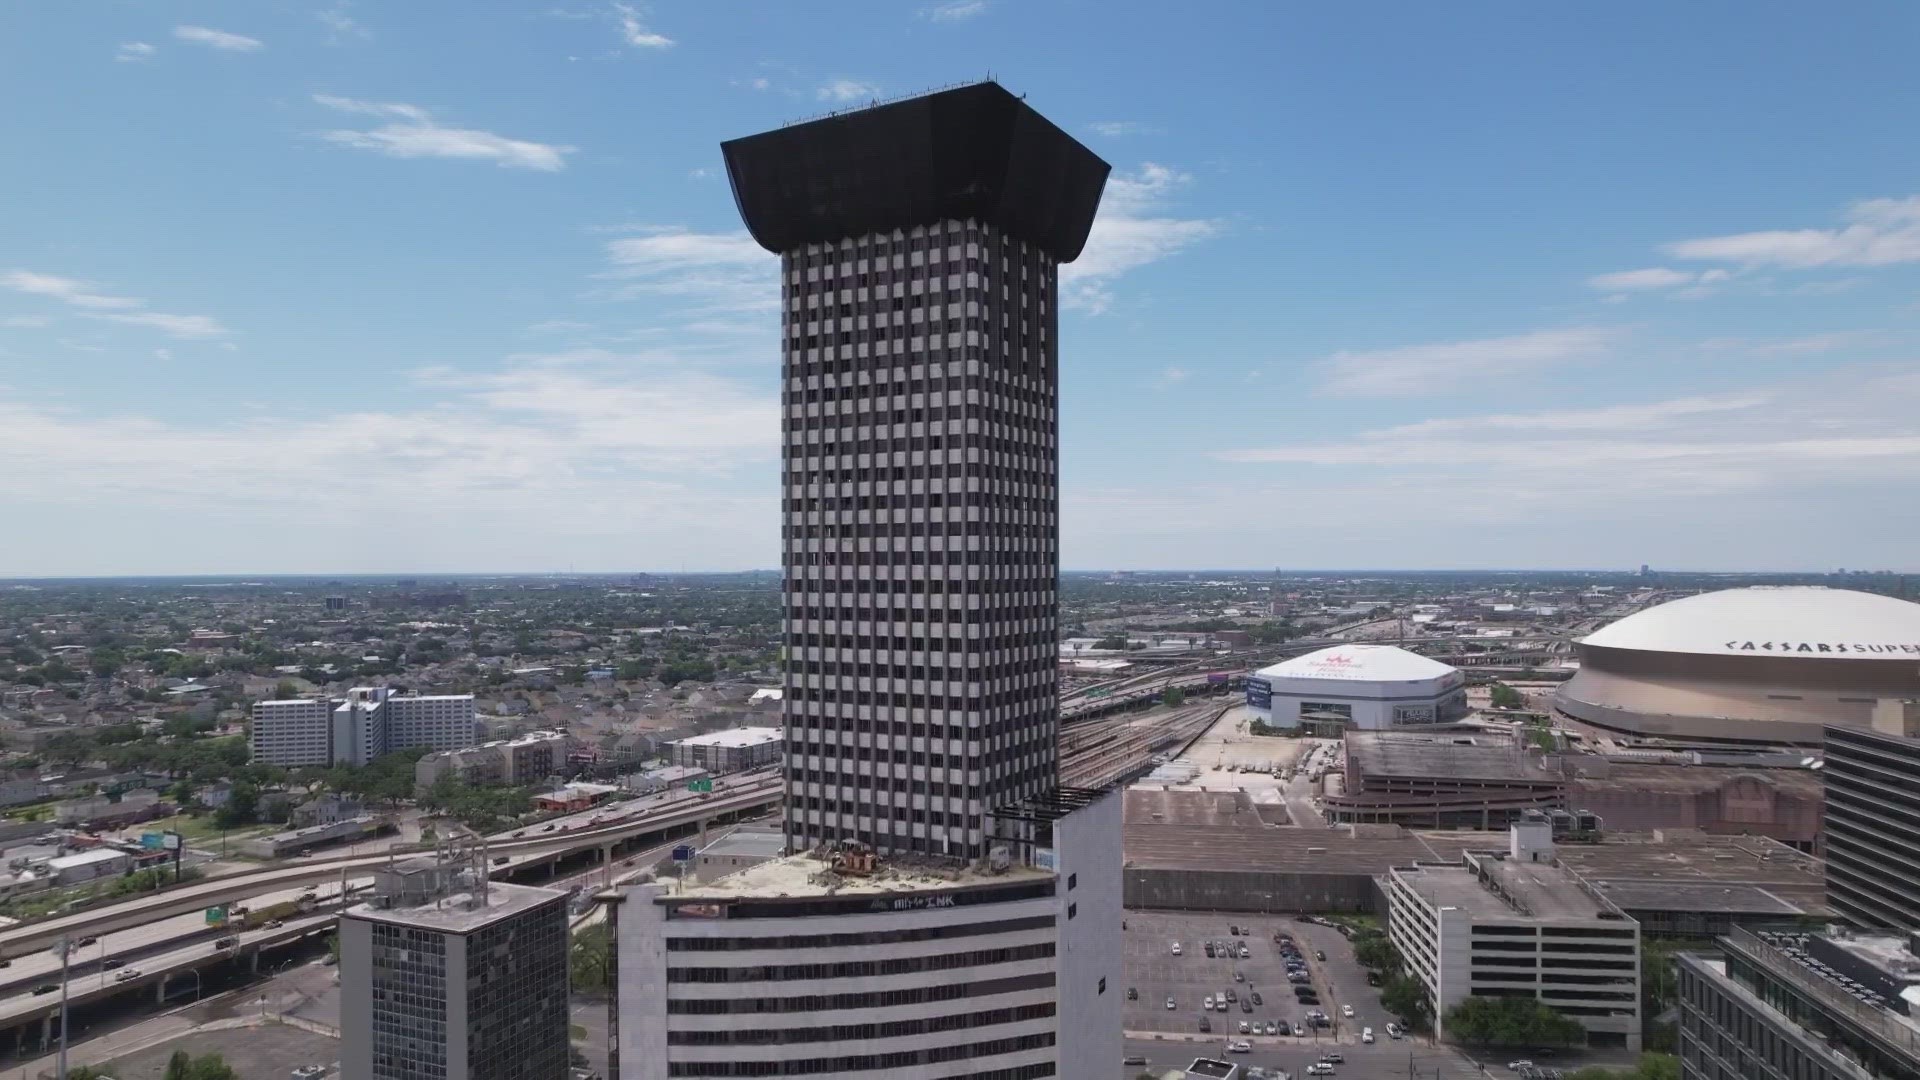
[(1259, 693)]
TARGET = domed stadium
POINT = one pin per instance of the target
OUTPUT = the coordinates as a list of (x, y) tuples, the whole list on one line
[(1765, 665), (1357, 686)]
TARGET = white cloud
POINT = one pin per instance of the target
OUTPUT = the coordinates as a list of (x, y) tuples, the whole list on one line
[(760, 84), (1175, 374), (1803, 344), (415, 134), (121, 309), (1751, 477), (622, 451), (340, 26), (709, 273), (1879, 232), (24, 322), (635, 33), (1129, 232), (1455, 365), (216, 39), (955, 10), (1114, 129), (847, 90), (163, 354), (134, 51)]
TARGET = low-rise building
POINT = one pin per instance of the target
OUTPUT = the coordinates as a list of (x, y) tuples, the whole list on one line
[(103, 811), (736, 851), (574, 797), (523, 760), (731, 750), (87, 865), (295, 841), (1516, 923), (325, 810)]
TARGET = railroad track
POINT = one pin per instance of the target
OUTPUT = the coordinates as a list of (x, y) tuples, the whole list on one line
[(1118, 749)]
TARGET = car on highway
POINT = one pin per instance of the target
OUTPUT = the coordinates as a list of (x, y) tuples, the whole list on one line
[(110, 964), (227, 942), (126, 974), (45, 988), (86, 941)]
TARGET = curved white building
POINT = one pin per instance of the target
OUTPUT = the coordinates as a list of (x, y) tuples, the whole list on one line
[(1767, 664), (1364, 686), (919, 969)]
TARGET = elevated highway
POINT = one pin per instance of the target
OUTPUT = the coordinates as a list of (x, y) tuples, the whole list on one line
[(752, 792)]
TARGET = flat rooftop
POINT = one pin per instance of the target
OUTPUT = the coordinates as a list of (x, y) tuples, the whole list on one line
[(809, 874), (755, 842), (457, 913), (733, 737), (1532, 890), (1462, 757)]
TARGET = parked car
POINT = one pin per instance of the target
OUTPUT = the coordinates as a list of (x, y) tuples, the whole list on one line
[(1207, 1002), (1332, 1057), (1246, 1006), (1366, 1036), (1246, 1028), (1320, 955), (1239, 1046), (1346, 1011), (1171, 1005), (1133, 993), (1176, 948), (1206, 1025), (1273, 1027), (1256, 997), (1209, 948), (1320, 1068)]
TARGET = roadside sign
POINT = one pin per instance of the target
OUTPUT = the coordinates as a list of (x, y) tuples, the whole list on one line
[(683, 853), (152, 841), (700, 785), (217, 915)]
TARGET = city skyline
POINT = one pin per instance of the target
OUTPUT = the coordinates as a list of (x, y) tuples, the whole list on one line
[(453, 291)]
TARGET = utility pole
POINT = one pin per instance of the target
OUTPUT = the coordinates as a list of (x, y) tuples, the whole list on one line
[(66, 962)]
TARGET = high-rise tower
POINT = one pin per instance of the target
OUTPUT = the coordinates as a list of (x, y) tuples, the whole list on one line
[(919, 244)]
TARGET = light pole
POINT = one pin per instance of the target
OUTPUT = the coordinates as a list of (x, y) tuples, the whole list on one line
[(65, 949)]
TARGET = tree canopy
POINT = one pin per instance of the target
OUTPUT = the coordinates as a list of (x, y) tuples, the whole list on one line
[(1511, 1022)]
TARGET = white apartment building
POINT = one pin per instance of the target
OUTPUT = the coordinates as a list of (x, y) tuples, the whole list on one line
[(916, 968), (368, 722), (1517, 923), (293, 733)]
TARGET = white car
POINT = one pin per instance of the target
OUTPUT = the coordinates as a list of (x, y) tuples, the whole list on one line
[(1240, 1046), (1346, 1011), (1170, 1005), (1206, 1003), (1176, 948), (1366, 1036), (1319, 1068), (124, 974), (1523, 1063)]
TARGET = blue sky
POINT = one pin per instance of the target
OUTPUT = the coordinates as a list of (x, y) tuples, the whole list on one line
[(338, 287)]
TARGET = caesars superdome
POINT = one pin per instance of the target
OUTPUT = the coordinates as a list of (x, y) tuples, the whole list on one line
[(1768, 664)]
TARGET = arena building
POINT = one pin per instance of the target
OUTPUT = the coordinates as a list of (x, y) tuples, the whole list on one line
[(1357, 686), (1761, 665)]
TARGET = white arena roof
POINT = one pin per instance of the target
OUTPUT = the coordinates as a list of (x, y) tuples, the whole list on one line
[(1359, 663), (1797, 620)]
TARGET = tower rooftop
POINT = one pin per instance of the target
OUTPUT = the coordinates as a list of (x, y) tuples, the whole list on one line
[(974, 152)]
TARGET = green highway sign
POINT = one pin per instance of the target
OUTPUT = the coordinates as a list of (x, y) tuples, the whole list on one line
[(700, 785)]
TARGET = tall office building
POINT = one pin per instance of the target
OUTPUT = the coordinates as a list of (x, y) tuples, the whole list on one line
[(1872, 779), (919, 245), (444, 976), (945, 911)]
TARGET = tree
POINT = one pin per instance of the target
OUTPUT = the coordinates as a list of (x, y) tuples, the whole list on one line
[(285, 691), (589, 958), (1511, 1022), (1373, 950), (242, 807), (1406, 997), (1506, 697), (1114, 642)]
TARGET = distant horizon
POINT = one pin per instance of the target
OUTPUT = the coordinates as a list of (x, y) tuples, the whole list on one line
[(429, 576)]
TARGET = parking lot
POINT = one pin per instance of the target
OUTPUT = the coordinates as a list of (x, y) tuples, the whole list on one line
[(1155, 975)]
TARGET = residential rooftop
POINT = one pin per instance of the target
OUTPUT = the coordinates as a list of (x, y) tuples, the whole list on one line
[(734, 737)]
